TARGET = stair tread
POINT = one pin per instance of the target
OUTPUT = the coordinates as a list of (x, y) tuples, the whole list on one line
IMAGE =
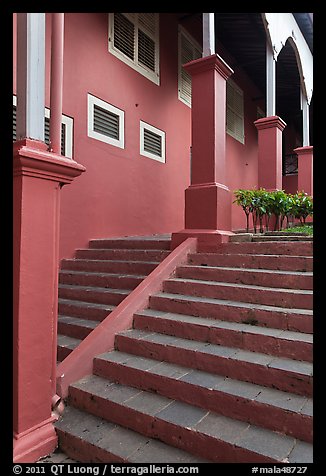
[(163, 237), (101, 273), (78, 321), (250, 270), (67, 341), (233, 353), (86, 304), (94, 288), (236, 326), (270, 396), (250, 254), (234, 303), (81, 260), (118, 250), (122, 442), (241, 434), (241, 285)]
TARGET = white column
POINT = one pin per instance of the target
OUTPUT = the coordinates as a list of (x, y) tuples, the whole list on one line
[(305, 120), (30, 75), (208, 34), (270, 81)]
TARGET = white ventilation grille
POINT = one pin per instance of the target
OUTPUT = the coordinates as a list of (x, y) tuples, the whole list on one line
[(152, 142), (134, 39), (234, 111), (188, 51), (105, 122)]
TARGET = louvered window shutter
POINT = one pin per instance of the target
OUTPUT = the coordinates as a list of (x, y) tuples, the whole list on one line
[(146, 40), (106, 122), (234, 112), (188, 52), (14, 123), (135, 40), (124, 35)]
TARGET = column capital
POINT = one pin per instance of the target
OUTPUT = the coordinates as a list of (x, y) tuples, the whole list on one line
[(212, 62), (32, 158), (270, 122), (305, 150)]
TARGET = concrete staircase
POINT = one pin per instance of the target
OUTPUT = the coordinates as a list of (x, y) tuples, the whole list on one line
[(217, 369), (99, 278)]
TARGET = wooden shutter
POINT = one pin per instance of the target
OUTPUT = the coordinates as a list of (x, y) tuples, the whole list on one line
[(14, 123), (188, 52), (146, 40), (234, 111), (124, 35)]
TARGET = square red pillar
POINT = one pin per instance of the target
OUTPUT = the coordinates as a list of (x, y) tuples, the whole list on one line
[(38, 178), (270, 152), (305, 169), (207, 199)]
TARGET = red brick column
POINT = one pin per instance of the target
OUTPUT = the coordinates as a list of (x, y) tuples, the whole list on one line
[(270, 152), (207, 199), (305, 169), (38, 177)]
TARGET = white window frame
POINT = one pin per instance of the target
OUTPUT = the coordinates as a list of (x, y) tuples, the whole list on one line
[(239, 138), (153, 76), (183, 32), (145, 153), (91, 102), (69, 128)]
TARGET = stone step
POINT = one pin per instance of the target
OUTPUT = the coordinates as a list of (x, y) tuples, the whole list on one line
[(209, 435), (270, 408), (282, 237), (91, 278), (294, 248), (90, 439), (140, 242), (261, 261), (260, 277), (289, 298), (65, 345), (109, 266), (84, 310), (287, 375), (92, 294), (282, 343), (122, 254), (300, 320), (75, 327)]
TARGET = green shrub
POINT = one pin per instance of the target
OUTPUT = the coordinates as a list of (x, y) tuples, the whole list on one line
[(264, 204)]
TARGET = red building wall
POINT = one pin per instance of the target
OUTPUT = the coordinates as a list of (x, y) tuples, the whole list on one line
[(122, 192)]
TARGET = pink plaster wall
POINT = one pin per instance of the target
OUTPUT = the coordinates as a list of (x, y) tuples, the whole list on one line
[(121, 192)]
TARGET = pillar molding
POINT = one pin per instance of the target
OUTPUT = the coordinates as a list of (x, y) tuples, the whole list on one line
[(270, 152), (30, 75), (208, 34), (270, 80), (38, 178), (305, 169), (57, 46), (207, 199)]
